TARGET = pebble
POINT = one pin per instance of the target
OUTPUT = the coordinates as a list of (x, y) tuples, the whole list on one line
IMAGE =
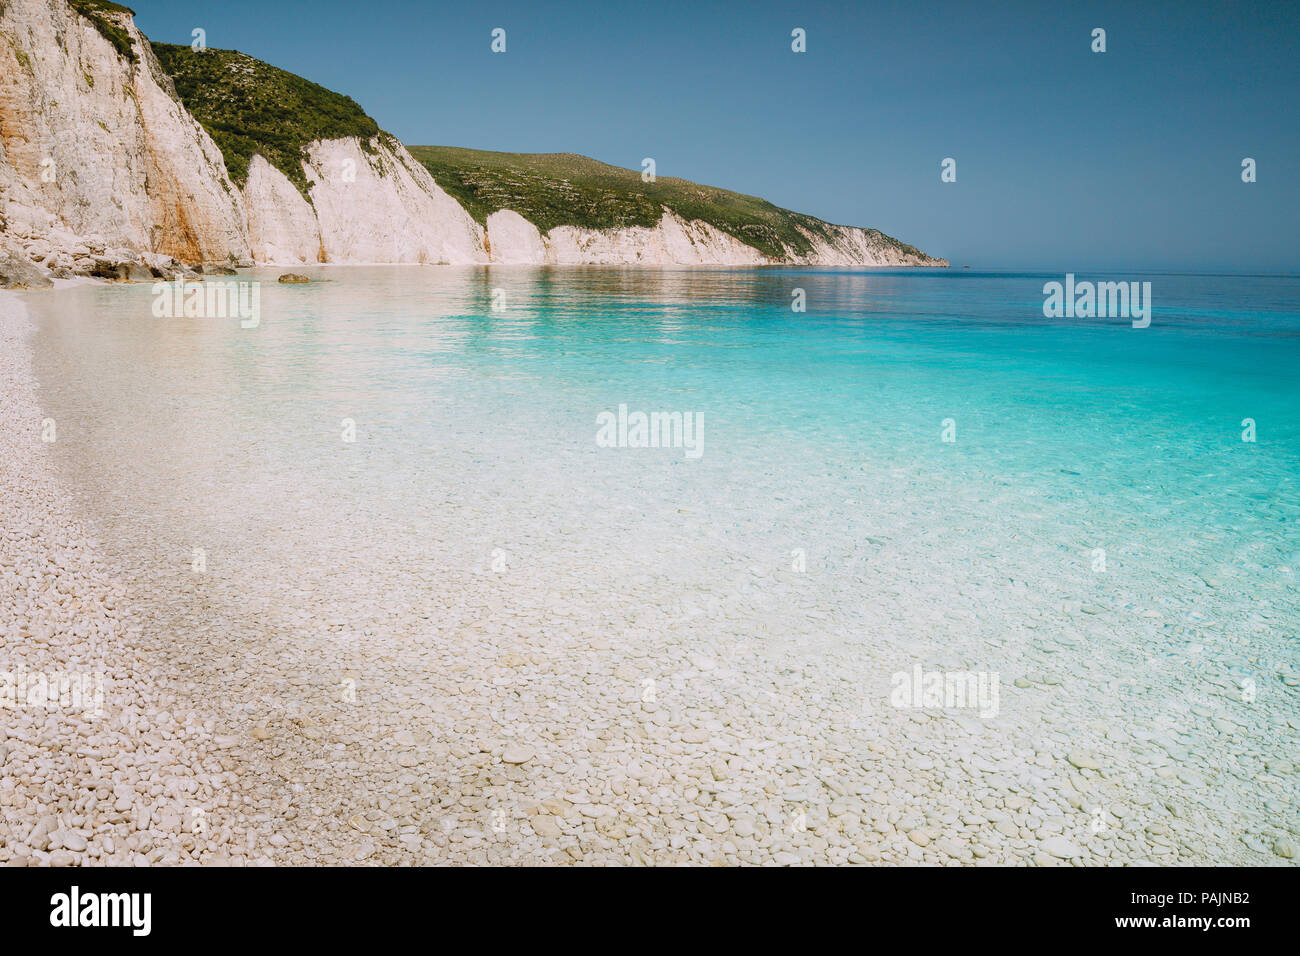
[(1082, 760), (71, 840), (545, 826), (518, 753), (1061, 848)]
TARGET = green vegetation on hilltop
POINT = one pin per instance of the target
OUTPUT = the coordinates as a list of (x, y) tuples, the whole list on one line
[(565, 189), (95, 10), (251, 107)]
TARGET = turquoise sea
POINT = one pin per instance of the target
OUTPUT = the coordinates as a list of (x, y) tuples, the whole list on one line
[(1097, 527)]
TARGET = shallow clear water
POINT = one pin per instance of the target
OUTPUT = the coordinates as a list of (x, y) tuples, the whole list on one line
[(822, 432), (1101, 424)]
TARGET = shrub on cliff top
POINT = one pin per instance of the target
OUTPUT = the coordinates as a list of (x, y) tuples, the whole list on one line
[(95, 10), (251, 107)]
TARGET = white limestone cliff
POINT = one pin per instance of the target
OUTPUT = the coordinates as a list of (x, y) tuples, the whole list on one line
[(282, 227), (102, 167), (851, 246), (374, 204), (380, 205), (513, 240), (674, 241), (97, 147)]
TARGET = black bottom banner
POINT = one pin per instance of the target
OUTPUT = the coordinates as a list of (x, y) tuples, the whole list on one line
[(267, 905)]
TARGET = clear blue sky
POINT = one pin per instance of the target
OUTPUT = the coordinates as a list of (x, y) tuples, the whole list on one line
[(1066, 159)]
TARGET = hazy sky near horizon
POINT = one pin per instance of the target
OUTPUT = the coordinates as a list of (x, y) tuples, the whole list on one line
[(1066, 160)]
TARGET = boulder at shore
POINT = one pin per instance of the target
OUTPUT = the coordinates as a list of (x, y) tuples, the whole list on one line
[(17, 273)]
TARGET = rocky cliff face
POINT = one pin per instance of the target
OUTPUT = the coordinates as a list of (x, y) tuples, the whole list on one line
[(674, 241), (103, 171), (851, 246), (97, 155), (282, 225), (369, 203), (512, 239), (380, 205)]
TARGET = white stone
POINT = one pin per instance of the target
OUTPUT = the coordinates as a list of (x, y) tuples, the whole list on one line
[(1061, 848)]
